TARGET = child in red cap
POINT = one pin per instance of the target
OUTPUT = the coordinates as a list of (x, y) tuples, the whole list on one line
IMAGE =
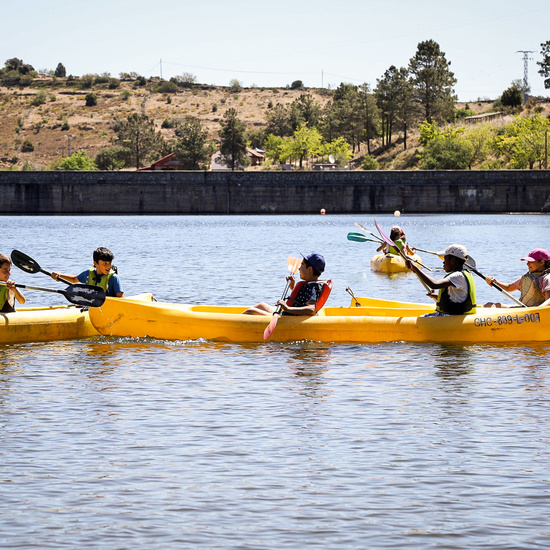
[(533, 285)]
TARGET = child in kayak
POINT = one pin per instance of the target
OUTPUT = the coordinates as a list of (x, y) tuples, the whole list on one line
[(397, 235), (103, 274), (8, 292), (305, 302), (457, 290), (533, 285)]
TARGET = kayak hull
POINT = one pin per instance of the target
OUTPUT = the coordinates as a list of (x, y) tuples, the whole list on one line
[(390, 263), (44, 324), (371, 324)]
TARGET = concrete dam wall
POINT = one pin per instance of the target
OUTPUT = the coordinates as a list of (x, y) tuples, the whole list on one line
[(338, 192)]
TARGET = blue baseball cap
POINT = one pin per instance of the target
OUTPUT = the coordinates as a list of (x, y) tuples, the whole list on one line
[(316, 261)]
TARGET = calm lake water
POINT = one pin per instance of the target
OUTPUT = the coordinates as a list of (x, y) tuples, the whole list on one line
[(144, 444)]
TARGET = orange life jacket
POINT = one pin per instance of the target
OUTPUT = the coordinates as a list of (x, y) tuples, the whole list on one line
[(325, 293)]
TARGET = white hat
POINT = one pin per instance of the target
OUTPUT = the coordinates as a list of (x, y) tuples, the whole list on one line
[(457, 250)]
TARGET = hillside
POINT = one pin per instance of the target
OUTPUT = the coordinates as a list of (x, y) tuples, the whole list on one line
[(54, 117)]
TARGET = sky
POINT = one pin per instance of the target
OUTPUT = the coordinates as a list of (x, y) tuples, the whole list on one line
[(272, 44)]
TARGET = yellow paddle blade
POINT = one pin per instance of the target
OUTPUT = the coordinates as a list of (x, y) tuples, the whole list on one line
[(293, 264)]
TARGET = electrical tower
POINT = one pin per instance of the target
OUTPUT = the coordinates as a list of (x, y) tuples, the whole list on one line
[(526, 60)]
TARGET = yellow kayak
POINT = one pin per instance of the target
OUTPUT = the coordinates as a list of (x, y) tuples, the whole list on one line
[(390, 263), (370, 324), (42, 324)]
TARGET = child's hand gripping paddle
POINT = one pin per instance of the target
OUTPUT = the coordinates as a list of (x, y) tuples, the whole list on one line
[(293, 265)]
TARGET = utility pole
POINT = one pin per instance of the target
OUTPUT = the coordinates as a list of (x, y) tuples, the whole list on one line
[(161, 69), (526, 60), (69, 137)]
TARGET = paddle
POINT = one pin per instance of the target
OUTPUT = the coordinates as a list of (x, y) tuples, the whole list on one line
[(470, 265), (406, 258), (27, 264), (360, 238), (350, 292), (79, 294), (293, 264), (369, 232)]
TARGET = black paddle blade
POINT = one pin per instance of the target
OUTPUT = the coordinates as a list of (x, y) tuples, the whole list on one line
[(24, 262), (84, 295)]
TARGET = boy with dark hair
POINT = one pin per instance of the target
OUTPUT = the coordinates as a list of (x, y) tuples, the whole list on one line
[(305, 301), (8, 292), (103, 274)]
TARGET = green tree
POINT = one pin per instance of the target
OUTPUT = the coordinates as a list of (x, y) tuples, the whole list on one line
[(232, 140), (433, 81), (387, 97), (343, 116), (544, 70), (369, 113), (278, 121), (339, 149), (275, 148), (480, 137), (512, 97), (60, 70), (191, 145), (138, 136), (522, 142), (111, 158), (304, 110), (77, 161), (447, 152), (305, 142)]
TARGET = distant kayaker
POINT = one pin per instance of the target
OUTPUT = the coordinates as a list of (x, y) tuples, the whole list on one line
[(305, 301), (8, 292), (533, 285), (457, 290), (103, 274), (397, 235)]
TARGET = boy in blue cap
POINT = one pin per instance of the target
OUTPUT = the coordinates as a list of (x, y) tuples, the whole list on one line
[(305, 301)]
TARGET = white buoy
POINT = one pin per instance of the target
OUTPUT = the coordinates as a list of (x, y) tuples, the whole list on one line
[(397, 213)]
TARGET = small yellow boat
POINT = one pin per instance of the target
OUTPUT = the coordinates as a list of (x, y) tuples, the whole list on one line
[(390, 263), (375, 321), (43, 324)]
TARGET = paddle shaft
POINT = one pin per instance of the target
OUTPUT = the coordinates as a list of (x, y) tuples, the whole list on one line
[(80, 294), (470, 267)]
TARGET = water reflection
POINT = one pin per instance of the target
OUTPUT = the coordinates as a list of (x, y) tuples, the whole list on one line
[(451, 361)]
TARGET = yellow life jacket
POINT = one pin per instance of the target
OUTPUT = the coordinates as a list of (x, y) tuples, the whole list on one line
[(103, 282), (6, 305), (467, 307)]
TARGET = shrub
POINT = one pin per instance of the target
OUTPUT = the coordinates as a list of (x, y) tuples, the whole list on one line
[(111, 158), (297, 85), (78, 161), (39, 99), (369, 163), (27, 146), (91, 100)]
